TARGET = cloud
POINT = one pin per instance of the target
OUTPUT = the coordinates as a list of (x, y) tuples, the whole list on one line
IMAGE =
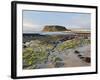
[(29, 26)]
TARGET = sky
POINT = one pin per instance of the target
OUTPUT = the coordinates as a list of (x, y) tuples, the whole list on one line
[(34, 21)]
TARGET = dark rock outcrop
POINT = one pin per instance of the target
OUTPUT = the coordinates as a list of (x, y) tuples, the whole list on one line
[(87, 59)]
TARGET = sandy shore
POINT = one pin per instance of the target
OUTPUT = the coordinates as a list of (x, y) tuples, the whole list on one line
[(70, 59)]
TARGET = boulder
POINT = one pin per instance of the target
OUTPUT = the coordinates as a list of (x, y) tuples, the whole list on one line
[(87, 59)]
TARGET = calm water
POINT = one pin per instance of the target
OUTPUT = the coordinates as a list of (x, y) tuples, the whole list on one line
[(51, 33)]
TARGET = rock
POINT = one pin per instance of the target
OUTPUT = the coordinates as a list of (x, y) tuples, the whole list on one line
[(57, 59), (24, 46), (53, 28), (77, 52), (59, 64), (87, 59), (79, 55)]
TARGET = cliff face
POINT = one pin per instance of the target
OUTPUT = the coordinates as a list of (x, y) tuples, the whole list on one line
[(53, 28)]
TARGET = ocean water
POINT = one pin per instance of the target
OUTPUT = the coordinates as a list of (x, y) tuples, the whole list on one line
[(52, 33)]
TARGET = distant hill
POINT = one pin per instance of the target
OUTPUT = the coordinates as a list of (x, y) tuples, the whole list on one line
[(53, 28)]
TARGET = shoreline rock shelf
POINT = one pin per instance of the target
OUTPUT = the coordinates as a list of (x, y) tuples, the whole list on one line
[(49, 51)]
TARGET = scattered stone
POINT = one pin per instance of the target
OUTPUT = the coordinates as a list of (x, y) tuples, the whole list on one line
[(87, 59), (77, 52), (53, 51), (24, 46), (59, 64), (57, 59), (79, 55)]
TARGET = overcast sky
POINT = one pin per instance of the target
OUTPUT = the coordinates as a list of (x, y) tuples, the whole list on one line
[(36, 20)]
